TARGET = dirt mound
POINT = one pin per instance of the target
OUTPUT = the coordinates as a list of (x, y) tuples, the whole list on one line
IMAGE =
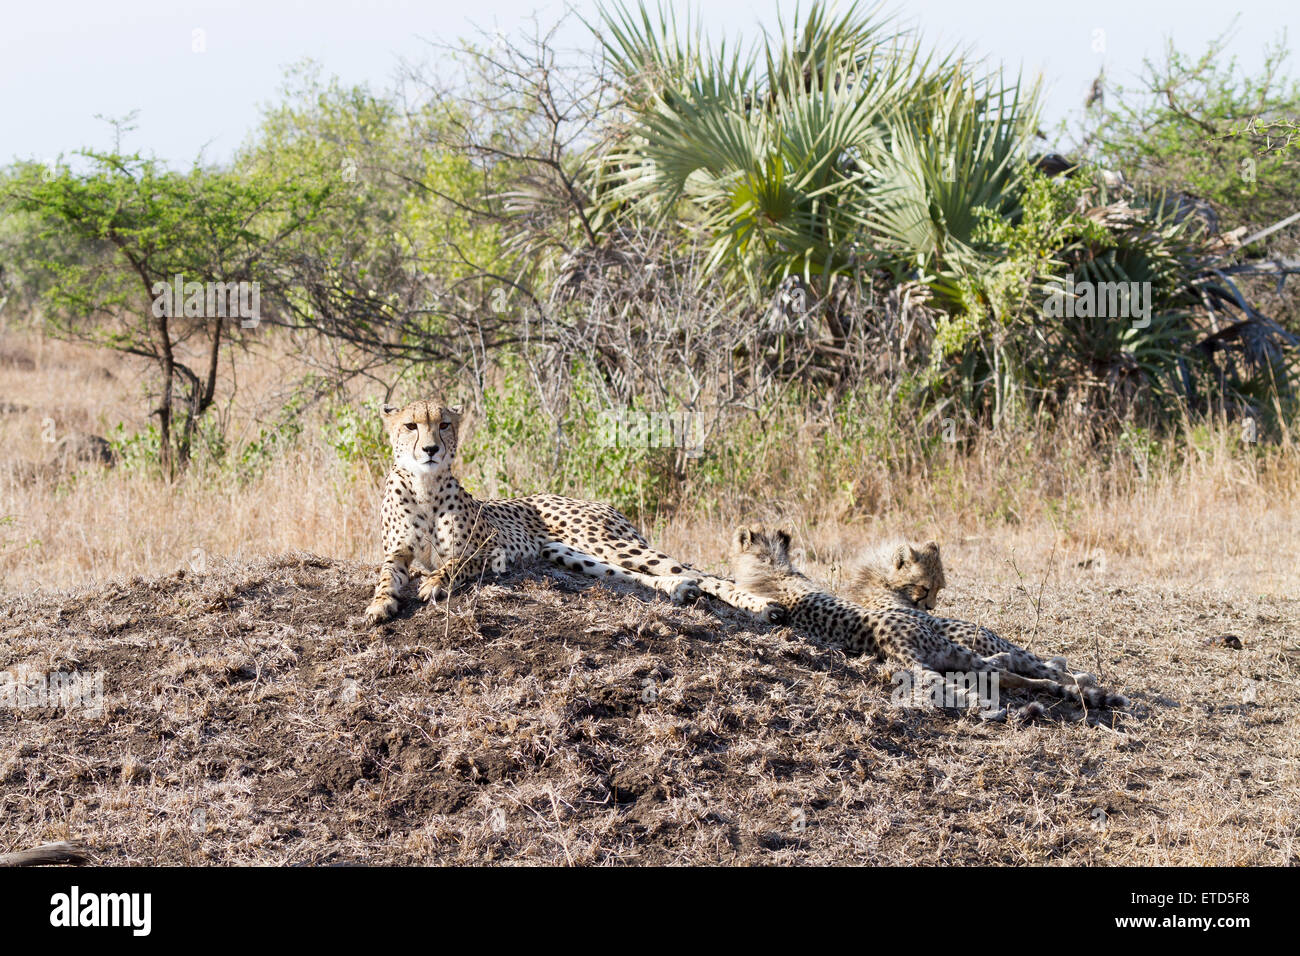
[(249, 717)]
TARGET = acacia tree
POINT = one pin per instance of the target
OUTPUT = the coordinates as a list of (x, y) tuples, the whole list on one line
[(393, 270), (207, 226), (1202, 125)]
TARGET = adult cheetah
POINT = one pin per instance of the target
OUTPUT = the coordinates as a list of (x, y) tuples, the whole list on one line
[(902, 634), (433, 526), (903, 575)]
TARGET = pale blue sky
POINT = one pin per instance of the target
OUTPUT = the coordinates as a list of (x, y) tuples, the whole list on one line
[(62, 63)]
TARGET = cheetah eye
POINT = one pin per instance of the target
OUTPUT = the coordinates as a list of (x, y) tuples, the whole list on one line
[(411, 426), (444, 426)]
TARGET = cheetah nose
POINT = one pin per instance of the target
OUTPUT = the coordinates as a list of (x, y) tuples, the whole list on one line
[(431, 450)]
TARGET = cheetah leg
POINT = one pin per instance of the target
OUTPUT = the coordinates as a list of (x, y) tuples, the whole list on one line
[(1002, 654), (393, 575), (1037, 685), (1087, 694), (1027, 665), (635, 555), (982, 641), (679, 587), (959, 659), (731, 593), (1080, 686)]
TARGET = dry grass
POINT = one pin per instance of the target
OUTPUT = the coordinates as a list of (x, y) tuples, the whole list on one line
[(1216, 515), (250, 719), (101, 524)]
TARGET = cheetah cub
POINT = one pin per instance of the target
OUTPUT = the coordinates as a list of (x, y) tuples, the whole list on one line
[(432, 526), (896, 632), (902, 575)]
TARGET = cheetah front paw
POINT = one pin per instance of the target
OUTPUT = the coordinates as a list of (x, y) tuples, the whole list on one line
[(683, 591), (773, 613), (433, 591), (381, 609)]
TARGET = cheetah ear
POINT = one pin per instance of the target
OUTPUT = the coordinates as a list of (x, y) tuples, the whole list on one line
[(932, 548), (783, 541), (900, 557), (388, 413), (743, 537)]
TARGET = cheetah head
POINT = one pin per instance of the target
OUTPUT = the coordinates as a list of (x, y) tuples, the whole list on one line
[(423, 435), (914, 574), (761, 559)]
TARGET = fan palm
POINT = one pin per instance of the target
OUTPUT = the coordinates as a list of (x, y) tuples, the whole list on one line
[(829, 148)]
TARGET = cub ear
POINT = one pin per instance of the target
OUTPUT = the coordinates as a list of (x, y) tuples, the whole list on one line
[(900, 556), (783, 541), (742, 538), (931, 548)]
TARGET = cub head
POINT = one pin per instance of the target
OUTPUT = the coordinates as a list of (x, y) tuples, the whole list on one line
[(914, 575), (423, 435), (759, 557)]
